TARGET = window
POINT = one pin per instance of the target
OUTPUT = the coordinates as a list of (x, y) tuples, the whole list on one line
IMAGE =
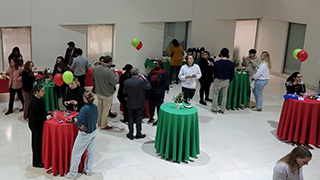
[(100, 41), (295, 40), (15, 37), (175, 30)]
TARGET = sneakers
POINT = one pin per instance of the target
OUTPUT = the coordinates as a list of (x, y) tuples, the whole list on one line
[(256, 109), (203, 102), (69, 176)]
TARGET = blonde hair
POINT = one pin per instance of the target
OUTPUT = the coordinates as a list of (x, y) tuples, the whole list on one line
[(76, 81), (89, 96), (297, 152), (267, 58)]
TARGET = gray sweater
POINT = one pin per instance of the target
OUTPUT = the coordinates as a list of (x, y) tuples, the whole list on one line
[(104, 80), (282, 172), (80, 65)]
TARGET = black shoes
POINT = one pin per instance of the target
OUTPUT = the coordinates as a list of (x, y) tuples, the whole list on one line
[(202, 102), (112, 114), (140, 136), (155, 123), (21, 109), (208, 99), (8, 112), (151, 120), (130, 136), (39, 166)]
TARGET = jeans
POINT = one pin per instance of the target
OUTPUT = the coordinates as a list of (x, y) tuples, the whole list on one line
[(258, 90), (83, 141)]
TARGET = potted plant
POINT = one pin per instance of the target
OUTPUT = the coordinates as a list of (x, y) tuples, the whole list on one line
[(178, 100)]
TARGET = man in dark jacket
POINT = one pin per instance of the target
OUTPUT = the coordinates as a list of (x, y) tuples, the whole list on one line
[(70, 53), (135, 88)]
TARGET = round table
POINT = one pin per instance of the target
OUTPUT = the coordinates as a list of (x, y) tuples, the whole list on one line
[(50, 97), (57, 143), (299, 121), (238, 92), (177, 135), (4, 85)]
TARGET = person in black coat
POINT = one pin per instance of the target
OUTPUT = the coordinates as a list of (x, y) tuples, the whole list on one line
[(37, 116), (73, 99), (205, 64), (70, 53), (60, 90), (295, 85), (121, 96), (27, 85), (159, 80)]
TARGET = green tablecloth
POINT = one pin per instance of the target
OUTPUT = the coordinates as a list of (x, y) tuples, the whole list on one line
[(238, 92), (177, 136), (166, 65), (50, 97)]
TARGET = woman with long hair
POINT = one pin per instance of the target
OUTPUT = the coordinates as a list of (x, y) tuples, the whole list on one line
[(290, 166), (295, 85), (176, 53), (15, 84), (37, 116), (87, 124), (17, 55), (73, 98), (27, 85)]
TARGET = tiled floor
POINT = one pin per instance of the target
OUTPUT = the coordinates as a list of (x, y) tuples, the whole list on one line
[(239, 145)]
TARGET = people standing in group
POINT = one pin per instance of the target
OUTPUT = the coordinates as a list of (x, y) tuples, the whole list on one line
[(251, 62), (295, 85), (159, 80), (188, 75), (15, 84), (104, 80), (206, 65), (290, 166), (15, 54), (87, 124), (80, 65), (27, 86), (70, 53), (37, 116), (121, 96), (73, 97), (261, 78), (223, 73), (135, 88), (176, 53)]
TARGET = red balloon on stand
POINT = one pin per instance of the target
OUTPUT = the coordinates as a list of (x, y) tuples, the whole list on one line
[(139, 46), (302, 56), (58, 79)]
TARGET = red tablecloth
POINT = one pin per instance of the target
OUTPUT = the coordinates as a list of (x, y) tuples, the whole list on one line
[(4, 85), (88, 80), (300, 121), (57, 143)]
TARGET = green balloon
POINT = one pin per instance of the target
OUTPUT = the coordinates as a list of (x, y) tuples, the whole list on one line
[(295, 53), (67, 77), (135, 42)]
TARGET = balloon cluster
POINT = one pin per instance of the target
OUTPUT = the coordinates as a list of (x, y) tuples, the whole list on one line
[(136, 43), (59, 79), (300, 54)]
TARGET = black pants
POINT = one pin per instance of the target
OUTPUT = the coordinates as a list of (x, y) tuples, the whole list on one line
[(177, 73), (135, 115), (204, 88), (81, 80), (125, 111), (12, 94), (36, 144), (152, 108), (188, 93)]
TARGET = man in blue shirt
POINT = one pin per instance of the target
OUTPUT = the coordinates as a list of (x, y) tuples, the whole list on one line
[(223, 73)]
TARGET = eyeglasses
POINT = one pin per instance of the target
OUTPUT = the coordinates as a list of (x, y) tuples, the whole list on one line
[(299, 76)]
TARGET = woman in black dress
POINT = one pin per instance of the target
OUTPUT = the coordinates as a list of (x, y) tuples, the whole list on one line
[(205, 64), (37, 116), (27, 85)]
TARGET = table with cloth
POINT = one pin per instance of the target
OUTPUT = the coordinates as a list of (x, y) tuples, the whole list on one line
[(50, 97), (89, 81), (238, 92), (57, 143), (299, 121), (177, 135), (4, 85), (166, 64)]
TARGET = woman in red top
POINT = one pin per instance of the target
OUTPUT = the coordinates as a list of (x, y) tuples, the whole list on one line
[(15, 83)]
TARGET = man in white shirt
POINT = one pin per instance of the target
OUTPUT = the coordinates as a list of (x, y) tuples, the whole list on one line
[(188, 75)]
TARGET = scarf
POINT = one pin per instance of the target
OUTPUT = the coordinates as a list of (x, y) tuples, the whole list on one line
[(155, 73)]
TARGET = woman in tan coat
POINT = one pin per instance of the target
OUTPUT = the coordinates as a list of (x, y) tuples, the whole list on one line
[(176, 53)]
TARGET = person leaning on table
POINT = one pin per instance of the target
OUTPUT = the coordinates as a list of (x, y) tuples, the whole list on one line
[(290, 166), (86, 122)]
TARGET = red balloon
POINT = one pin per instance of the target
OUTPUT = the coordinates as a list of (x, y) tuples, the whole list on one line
[(58, 79), (302, 56), (139, 46)]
